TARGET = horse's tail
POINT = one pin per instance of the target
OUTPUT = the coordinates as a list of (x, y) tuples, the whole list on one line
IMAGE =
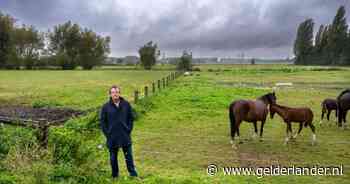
[(339, 107), (232, 118)]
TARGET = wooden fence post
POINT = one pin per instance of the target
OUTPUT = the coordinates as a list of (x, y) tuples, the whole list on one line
[(163, 82), (136, 96), (158, 85), (153, 88), (146, 91)]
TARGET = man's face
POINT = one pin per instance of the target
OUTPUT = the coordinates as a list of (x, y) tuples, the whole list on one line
[(115, 93)]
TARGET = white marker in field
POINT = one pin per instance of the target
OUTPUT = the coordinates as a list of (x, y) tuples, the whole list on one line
[(284, 84)]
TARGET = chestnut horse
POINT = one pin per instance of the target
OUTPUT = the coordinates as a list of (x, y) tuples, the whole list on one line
[(303, 116), (250, 111)]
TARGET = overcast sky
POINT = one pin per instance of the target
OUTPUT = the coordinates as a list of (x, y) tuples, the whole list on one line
[(225, 28)]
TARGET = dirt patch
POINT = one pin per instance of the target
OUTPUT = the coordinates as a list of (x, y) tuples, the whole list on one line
[(250, 159), (44, 114)]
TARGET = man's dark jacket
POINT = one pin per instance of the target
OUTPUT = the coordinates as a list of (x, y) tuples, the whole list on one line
[(117, 123)]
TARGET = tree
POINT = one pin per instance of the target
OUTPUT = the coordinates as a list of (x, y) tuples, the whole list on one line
[(318, 39), (64, 43), (338, 36), (6, 28), (93, 49), (303, 44), (148, 55), (185, 62), (28, 43)]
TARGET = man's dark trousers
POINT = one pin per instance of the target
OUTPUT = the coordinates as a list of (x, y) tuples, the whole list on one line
[(127, 150)]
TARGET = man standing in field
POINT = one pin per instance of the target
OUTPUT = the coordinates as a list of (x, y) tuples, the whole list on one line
[(116, 121)]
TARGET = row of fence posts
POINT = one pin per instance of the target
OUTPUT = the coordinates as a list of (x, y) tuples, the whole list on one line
[(157, 86)]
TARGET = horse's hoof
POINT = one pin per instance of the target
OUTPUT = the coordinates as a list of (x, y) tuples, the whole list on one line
[(240, 142), (261, 140)]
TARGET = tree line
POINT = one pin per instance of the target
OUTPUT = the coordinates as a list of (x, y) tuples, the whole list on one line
[(330, 46), (67, 46)]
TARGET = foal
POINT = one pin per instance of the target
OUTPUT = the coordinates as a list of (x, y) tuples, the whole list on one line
[(303, 116), (328, 105)]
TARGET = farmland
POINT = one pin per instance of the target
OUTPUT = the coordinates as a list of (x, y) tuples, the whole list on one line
[(179, 131)]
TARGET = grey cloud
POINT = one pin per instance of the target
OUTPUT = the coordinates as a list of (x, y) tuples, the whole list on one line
[(258, 28)]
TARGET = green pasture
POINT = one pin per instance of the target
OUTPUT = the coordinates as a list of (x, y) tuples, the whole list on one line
[(179, 131)]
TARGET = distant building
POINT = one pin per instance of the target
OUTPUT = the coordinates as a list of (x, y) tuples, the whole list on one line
[(131, 60), (127, 60)]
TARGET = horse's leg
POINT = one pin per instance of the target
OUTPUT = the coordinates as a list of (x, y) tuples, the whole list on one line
[(344, 118), (262, 128), (255, 130), (233, 132), (300, 128), (323, 112), (237, 131), (328, 114), (234, 128), (340, 115), (336, 112), (287, 131), (313, 129)]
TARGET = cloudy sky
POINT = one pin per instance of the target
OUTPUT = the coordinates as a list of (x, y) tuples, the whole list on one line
[(226, 28)]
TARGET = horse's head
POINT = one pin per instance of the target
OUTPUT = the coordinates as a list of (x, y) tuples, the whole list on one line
[(272, 111), (269, 98)]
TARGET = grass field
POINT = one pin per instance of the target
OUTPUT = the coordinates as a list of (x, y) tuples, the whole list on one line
[(185, 127), (77, 89)]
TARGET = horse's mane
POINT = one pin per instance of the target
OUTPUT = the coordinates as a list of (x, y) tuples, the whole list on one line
[(342, 93), (264, 96), (281, 106)]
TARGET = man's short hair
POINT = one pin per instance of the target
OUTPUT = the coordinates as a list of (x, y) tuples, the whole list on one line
[(115, 87)]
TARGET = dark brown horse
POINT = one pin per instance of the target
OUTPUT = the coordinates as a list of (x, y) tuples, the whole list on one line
[(249, 111), (343, 106), (303, 116), (328, 105)]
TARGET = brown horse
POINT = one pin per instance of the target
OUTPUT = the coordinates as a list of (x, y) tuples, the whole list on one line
[(328, 105), (343, 106), (250, 111), (303, 116)]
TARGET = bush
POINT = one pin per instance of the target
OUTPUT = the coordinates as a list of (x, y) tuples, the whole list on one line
[(62, 172), (65, 144), (4, 144), (196, 69), (89, 122), (7, 179), (41, 172), (142, 107)]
